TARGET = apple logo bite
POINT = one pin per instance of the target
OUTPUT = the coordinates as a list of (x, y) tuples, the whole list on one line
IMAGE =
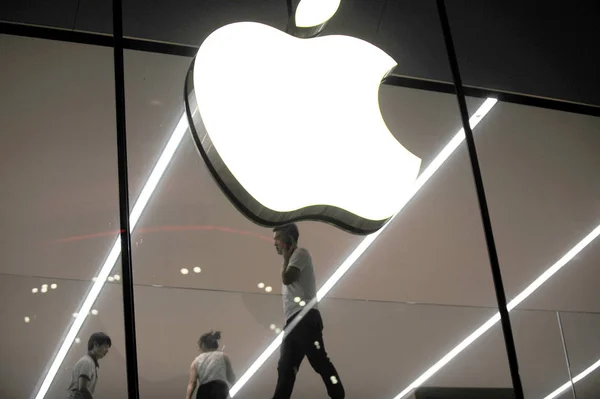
[(290, 127)]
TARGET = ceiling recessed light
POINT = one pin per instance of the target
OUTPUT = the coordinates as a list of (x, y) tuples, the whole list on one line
[(44, 290), (302, 303), (45, 286), (117, 277), (268, 288), (54, 286), (77, 340), (94, 312), (184, 271), (261, 285), (197, 269), (272, 326), (27, 319), (34, 290), (297, 299), (111, 279), (277, 330)]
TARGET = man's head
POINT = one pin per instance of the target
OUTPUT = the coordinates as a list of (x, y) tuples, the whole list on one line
[(285, 236), (98, 344)]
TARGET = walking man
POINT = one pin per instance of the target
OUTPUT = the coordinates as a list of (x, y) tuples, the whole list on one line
[(306, 339)]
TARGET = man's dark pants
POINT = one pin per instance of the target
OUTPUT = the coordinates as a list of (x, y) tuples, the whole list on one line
[(306, 339)]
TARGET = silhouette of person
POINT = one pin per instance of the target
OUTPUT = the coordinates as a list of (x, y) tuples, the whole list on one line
[(306, 339), (211, 371), (85, 371)]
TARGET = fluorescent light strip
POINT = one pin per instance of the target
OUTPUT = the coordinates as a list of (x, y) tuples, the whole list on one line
[(496, 318), (113, 256), (578, 378), (423, 178)]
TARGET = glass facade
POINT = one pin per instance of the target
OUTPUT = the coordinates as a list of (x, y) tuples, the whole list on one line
[(415, 307)]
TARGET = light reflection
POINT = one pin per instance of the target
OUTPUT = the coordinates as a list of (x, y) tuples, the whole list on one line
[(94, 312)]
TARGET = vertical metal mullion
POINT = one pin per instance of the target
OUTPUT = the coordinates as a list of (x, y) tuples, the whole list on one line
[(126, 264), (564, 342), (483, 207)]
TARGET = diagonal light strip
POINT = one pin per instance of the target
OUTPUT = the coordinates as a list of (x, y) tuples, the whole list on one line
[(564, 260), (113, 256), (576, 379), (423, 178)]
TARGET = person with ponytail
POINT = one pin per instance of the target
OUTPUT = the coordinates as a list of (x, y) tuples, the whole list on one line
[(211, 371)]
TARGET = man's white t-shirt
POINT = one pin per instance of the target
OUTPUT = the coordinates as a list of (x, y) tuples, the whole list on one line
[(304, 289)]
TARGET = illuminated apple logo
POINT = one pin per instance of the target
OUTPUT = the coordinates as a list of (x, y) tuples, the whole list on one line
[(290, 128)]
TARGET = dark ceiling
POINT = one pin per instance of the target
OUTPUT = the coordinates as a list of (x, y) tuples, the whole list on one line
[(420, 289), (544, 50)]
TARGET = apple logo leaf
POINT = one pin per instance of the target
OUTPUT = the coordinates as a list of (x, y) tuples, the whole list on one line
[(291, 130)]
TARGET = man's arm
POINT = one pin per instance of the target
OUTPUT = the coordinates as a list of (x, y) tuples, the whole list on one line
[(192, 382), (82, 387), (293, 266), (229, 370)]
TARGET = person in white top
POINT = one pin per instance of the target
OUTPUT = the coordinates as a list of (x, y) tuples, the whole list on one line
[(306, 338), (211, 371)]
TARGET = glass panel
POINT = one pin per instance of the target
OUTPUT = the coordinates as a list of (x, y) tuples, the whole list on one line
[(432, 253), (539, 169), (583, 348), (59, 212)]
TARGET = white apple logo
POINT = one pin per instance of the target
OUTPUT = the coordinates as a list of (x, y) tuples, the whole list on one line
[(291, 129)]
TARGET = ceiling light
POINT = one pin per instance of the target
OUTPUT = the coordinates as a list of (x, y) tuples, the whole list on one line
[(54, 286), (111, 279), (184, 271), (423, 178), (197, 269), (27, 319), (77, 340), (94, 312), (576, 379), (45, 286), (94, 279), (34, 290), (272, 326), (268, 288), (261, 285), (302, 303), (297, 299), (113, 256), (75, 314), (117, 277), (496, 318), (44, 289), (277, 330)]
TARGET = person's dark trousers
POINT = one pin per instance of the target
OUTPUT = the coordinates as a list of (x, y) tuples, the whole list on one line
[(213, 390), (306, 339)]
